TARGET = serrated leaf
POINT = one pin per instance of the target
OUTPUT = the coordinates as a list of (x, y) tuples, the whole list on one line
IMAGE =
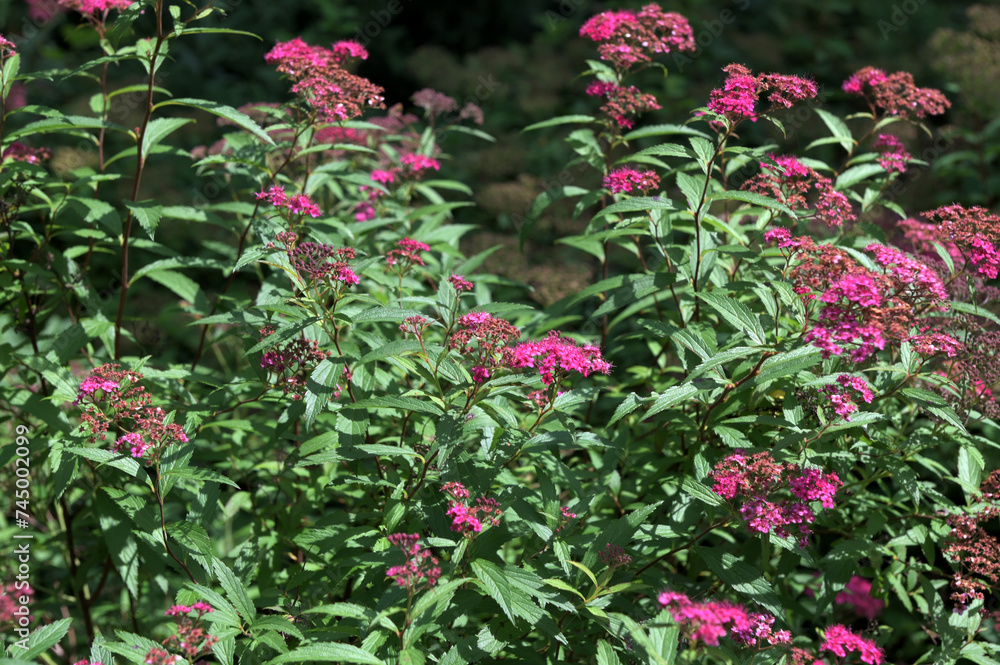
[(737, 315), (506, 590), (754, 198), (670, 397), (239, 118), (158, 129), (235, 591), (45, 638), (147, 213), (628, 405)]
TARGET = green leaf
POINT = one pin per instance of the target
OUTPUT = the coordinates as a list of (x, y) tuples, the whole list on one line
[(694, 488), (44, 639), (148, 213), (235, 591), (663, 130), (670, 397), (560, 120), (223, 111), (742, 577), (183, 286), (10, 69), (507, 590), (737, 315), (606, 654), (157, 130), (638, 204), (327, 652), (838, 128), (856, 174), (320, 389), (112, 459), (756, 199), (628, 405)]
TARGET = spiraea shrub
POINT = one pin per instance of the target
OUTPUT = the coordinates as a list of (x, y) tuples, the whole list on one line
[(290, 422)]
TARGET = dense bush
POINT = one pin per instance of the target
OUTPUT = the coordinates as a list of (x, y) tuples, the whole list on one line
[(288, 422)]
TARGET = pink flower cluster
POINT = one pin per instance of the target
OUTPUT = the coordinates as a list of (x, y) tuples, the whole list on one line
[(621, 103), (18, 152), (190, 636), (416, 163), (625, 179), (289, 365), (319, 77), (468, 519), (299, 204), (843, 401), (791, 182), (87, 662), (111, 398), (406, 254), (738, 97), (759, 480), (974, 231), (486, 337), (420, 566), (893, 156), (558, 355), (865, 307), (614, 556), (94, 7), (13, 596), (632, 37), (460, 283), (707, 621), (6, 45), (858, 594), (839, 640), (895, 94)]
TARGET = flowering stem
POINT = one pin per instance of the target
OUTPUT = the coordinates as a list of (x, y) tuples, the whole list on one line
[(140, 164)]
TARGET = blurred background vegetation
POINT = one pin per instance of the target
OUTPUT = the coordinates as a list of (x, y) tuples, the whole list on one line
[(521, 62)]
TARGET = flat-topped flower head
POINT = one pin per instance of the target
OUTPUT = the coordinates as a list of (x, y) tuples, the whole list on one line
[(622, 103), (414, 164), (319, 78), (738, 97), (792, 183), (6, 45), (627, 37), (625, 180), (893, 156), (896, 94), (840, 640), (420, 570), (94, 7), (558, 355), (974, 231)]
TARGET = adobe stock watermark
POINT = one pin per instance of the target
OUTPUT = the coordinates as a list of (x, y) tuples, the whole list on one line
[(21, 560), (899, 15), (380, 20)]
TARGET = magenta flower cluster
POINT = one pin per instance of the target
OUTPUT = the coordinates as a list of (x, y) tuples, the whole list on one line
[(760, 482), (299, 204), (625, 180), (841, 640), (420, 569), (858, 595), (895, 94), (628, 38), (707, 621), (893, 157), (467, 518), (843, 394), (738, 97), (794, 184)]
